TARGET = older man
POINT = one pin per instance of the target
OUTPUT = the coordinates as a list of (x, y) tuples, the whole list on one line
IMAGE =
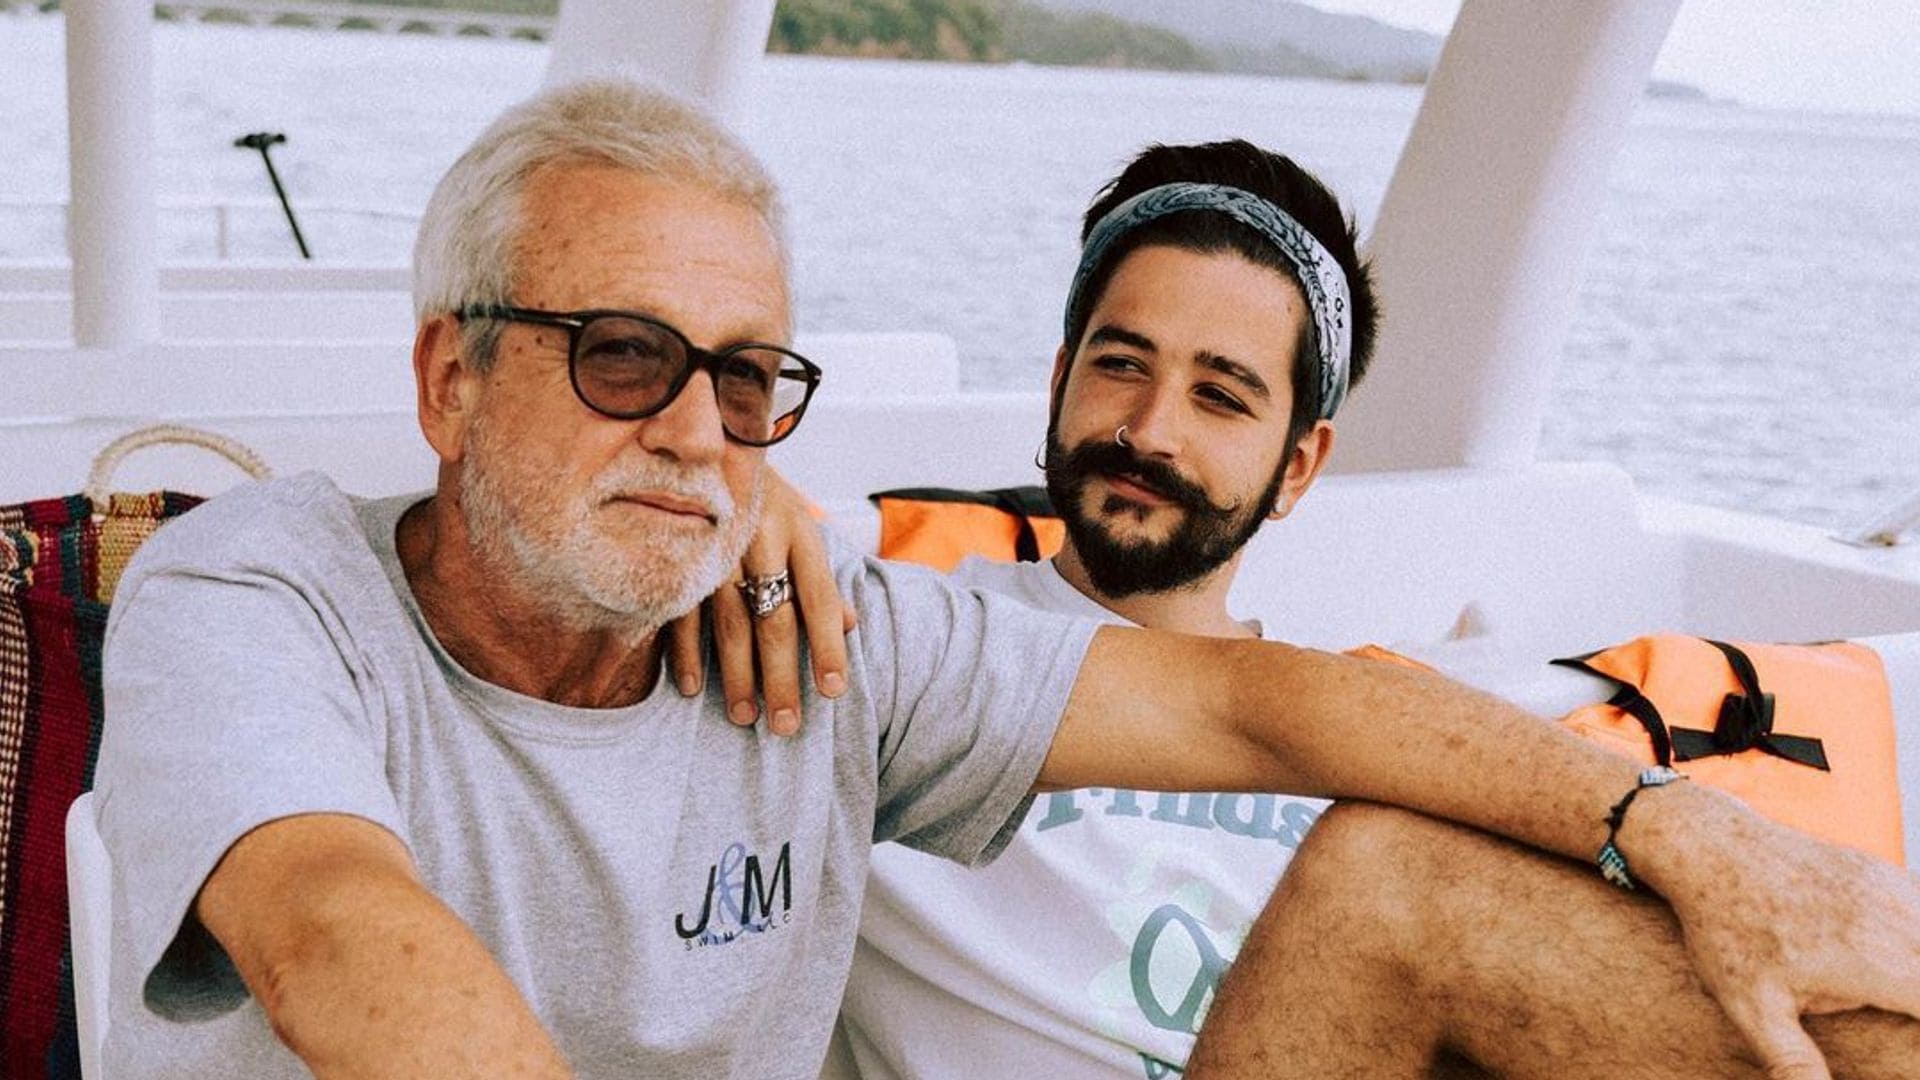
[(390, 787)]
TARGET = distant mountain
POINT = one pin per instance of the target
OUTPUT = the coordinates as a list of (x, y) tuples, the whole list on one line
[(1280, 37), (919, 29), (1262, 37), (1042, 35)]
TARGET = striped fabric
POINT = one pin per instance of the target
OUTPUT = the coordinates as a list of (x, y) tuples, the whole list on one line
[(58, 569)]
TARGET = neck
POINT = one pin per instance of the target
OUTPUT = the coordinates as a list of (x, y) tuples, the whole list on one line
[(510, 638), (1200, 608)]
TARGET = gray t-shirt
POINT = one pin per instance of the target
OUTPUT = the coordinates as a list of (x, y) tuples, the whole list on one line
[(675, 896)]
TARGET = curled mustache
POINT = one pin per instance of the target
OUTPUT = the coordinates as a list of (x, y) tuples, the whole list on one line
[(1106, 456)]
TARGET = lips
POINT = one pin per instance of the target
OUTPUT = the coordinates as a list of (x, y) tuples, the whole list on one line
[(668, 503), (1136, 487)]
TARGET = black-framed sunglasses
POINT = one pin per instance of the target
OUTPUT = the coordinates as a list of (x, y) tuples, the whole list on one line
[(630, 366)]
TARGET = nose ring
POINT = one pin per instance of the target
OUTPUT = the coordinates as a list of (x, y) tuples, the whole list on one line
[(1120, 436)]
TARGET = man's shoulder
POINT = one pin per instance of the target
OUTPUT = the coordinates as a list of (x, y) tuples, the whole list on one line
[(1036, 585), (908, 590), (867, 578), (298, 501), (978, 572), (279, 521)]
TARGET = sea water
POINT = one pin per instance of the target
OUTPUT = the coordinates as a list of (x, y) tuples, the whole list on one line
[(1748, 334)]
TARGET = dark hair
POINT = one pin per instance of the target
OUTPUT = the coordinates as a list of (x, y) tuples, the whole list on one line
[(1274, 177)]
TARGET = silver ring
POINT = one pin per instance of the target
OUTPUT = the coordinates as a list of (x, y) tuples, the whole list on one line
[(766, 592), (1120, 436)]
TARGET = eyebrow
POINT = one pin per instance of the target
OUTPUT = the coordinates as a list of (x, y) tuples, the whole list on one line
[(1238, 371), (1109, 334)]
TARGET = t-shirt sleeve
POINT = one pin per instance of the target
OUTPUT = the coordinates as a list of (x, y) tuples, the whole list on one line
[(229, 703), (969, 688)]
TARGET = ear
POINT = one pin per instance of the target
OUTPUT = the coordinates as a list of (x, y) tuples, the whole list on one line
[(1062, 360), (446, 386), (1304, 463)]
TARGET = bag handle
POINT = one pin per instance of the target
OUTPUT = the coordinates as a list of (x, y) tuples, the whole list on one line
[(98, 490)]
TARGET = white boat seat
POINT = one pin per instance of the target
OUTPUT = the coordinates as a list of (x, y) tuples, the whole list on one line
[(1901, 654), (90, 914)]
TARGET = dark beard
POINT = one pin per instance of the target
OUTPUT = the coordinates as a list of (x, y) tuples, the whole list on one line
[(1205, 538)]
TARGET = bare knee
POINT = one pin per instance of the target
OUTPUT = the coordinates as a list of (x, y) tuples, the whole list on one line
[(1375, 870), (1322, 984), (1426, 904), (1319, 987), (1353, 845)]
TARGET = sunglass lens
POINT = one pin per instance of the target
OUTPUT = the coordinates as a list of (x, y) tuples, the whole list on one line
[(758, 389), (625, 366)]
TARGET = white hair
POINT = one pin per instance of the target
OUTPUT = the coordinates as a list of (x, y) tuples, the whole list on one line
[(464, 253)]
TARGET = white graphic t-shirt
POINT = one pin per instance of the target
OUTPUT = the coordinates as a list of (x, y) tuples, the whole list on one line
[(1092, 947)]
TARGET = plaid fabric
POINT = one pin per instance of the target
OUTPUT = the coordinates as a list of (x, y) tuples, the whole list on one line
[(58, 570)]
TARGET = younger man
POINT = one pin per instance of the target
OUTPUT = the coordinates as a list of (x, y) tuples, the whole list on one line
[(1185, 414)]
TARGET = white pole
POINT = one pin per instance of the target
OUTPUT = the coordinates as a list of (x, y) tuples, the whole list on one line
[(112, 228), (704, 50), (1481, 244)]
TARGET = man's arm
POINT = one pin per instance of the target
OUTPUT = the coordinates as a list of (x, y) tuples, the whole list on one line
[(1777, 923), (1175, 712), (361, 971)]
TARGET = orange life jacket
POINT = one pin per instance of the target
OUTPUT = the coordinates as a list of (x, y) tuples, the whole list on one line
[(940, 527), (1803, 733)]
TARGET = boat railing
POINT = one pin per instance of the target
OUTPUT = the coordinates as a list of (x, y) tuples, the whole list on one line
[(358, 15), (387, 18), (223, 228), (221, 300)]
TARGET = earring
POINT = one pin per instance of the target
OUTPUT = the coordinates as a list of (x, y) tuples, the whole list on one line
[(1040, 457), (1120, 436)]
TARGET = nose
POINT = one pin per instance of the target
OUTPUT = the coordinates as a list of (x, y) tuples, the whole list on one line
[(688, 429), (1154, 426)]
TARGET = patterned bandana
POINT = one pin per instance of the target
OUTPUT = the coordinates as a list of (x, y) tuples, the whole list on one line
[(1314, 266)]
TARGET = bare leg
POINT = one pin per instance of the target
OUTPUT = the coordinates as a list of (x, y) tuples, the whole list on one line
[(1327, 994), (1398, 946)]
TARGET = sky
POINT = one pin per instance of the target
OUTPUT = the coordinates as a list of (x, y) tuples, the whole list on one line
[(1823, 55)]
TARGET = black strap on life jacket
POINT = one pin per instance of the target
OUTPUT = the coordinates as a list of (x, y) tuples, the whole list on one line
[(1628, 698), (1745, 721), (1023, 504)]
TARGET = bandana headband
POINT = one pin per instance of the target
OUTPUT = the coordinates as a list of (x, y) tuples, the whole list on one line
[(1314, 267)]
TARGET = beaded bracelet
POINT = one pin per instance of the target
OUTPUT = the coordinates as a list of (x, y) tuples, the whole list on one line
[(1612, 861)]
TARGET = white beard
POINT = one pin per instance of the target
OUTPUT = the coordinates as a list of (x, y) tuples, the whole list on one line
[(523, 526)]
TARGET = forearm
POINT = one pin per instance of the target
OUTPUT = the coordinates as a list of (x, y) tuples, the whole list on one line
[(1261, 716), (1365, 730), (1410, 738), (381, 980), (361, 970)]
